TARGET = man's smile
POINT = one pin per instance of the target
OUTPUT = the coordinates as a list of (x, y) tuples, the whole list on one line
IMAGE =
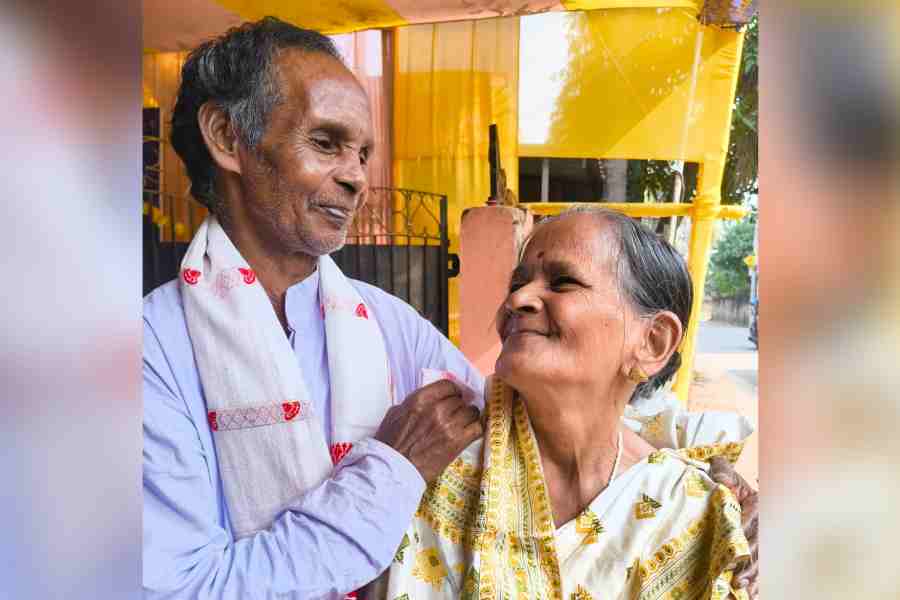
[(334, 213)]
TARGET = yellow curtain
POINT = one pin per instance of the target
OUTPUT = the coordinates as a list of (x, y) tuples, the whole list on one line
[(451, 81)]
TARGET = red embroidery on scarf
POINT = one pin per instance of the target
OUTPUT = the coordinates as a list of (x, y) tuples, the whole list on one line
[(191, 276), (249, 275), (361, 311), (211, 417), (322, 308), (339, 451), (350, 596), (258, 416), (291, 410)]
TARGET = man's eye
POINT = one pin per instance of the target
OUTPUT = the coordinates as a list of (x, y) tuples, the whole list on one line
[(323, 143), (364, 157)]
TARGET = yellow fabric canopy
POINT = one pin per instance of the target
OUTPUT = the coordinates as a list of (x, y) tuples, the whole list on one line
[(634, 83), (327, 17), (174, 25)]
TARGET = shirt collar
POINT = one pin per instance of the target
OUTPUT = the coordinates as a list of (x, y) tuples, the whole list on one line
[(301, 303)]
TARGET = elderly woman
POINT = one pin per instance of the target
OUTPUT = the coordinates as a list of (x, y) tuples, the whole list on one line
[(561, 499)]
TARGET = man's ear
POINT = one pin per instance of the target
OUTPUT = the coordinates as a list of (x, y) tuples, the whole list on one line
[(219, 136), (661, 338)]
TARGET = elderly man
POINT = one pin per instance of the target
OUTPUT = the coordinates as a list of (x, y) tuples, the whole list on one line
[(279, 459)]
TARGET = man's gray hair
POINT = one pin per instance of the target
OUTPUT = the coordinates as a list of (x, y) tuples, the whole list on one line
[(236, 71)]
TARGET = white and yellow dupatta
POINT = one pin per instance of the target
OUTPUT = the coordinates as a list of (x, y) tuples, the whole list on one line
[(484, 530)]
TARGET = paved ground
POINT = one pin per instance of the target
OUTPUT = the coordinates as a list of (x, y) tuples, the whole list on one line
[(723, 340), (725, 378), (720, 337)]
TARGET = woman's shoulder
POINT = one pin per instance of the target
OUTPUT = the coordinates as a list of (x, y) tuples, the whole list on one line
[(674, 477), (674, 518), (664, 496)]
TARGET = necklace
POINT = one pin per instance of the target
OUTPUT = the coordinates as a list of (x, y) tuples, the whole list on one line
[(618, 458)]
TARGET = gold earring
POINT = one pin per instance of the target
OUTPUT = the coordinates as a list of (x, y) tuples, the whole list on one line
[(637, 375)]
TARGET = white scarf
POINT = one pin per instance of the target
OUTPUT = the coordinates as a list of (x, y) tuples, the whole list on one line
[(271, 446)]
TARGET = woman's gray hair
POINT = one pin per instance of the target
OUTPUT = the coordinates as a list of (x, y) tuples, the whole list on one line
[(652, 275)]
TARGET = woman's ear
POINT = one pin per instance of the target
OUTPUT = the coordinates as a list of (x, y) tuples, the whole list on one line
[(661, 338), (219, 136)]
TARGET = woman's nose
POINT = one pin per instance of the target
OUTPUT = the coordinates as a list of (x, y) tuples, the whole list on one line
[(524, 300)]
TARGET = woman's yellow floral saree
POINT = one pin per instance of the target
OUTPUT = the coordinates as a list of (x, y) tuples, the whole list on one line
[(484, 529)]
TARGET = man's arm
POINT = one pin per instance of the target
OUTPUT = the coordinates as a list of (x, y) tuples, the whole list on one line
[(434, 351), (337, 537), (722, 471)]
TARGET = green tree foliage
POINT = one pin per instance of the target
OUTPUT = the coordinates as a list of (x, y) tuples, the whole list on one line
[(728, 276)]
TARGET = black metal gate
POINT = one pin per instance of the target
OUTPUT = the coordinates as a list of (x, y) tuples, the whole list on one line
[(399, 243)]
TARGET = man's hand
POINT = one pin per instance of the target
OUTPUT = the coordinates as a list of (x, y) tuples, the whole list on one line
[(431, 427), (721, 471)]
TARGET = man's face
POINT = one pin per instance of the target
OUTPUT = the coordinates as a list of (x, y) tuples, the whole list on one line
[(307, 178)]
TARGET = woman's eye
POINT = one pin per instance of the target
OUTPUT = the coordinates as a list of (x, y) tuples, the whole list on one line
[(561, 282)]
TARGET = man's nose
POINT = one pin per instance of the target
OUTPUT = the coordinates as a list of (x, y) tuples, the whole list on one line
[(352, 174)]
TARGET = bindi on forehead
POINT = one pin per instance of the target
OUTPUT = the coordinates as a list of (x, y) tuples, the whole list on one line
[(580, 240)]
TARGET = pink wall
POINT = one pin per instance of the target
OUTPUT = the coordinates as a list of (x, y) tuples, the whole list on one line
[(489, 240)]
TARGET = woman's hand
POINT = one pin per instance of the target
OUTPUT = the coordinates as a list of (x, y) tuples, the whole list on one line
[(722, 471)]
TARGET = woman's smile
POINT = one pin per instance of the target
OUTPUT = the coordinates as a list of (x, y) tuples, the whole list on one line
[(515, 329)]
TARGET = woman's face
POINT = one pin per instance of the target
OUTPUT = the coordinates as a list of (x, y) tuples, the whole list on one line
[(565, 321)]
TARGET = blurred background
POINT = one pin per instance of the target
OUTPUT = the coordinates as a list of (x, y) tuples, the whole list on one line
[(830, 309), (829, 314), (70, 508)]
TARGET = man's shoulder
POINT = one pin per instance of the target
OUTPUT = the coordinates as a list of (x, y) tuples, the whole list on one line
[(164, 309), (167, 348), (163, 298)]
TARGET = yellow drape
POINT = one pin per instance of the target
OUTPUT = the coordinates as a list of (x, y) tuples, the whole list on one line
[(598, 4), (452, 80), (627, 88)]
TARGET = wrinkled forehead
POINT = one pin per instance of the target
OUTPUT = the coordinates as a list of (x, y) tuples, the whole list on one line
[(321, 87), (583, 240)]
